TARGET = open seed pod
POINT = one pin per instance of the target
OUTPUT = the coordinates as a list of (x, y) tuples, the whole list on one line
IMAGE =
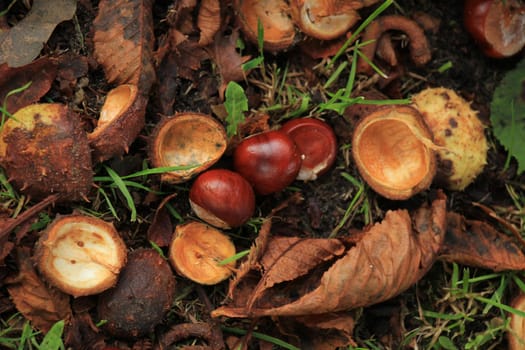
[(458, 131), (274, 15), (325, 20), (197, 249), (80, 255), (121, 119), (393, 150), (44, 150), (193, 141)]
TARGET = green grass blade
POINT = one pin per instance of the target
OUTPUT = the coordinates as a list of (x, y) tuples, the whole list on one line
[(125, 192)]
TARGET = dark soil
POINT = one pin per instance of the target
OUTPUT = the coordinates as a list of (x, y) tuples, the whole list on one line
[(325, 201)]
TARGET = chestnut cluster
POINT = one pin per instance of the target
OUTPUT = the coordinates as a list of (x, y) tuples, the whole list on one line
[(264, 163)]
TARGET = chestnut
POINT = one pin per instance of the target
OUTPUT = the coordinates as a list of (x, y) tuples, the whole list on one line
[(270, 161), (44, 150), (317, 144), (516, 333), (193, 141), (196, 250), (80, 255), (497, 26), (222, 198)]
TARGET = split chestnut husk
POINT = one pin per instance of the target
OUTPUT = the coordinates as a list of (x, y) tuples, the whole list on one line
[(122, 117), (196, 251), (393, 151), (192, 141), (274, 15), (80, 255), (44, 150)]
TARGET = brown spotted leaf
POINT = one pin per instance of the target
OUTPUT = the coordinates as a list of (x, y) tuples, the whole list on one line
[(478, 244), (22, 43), (392, 255), (40, 304), (123, 42)]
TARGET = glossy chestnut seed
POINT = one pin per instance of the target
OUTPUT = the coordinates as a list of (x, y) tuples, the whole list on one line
[(497, 26), (222, 198), (270, 161), (317, 144)]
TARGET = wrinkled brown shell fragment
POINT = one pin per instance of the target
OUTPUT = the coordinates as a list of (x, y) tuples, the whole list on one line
[(44, 150), (123, 42), (478, 244), (121, 119), (392, 255)]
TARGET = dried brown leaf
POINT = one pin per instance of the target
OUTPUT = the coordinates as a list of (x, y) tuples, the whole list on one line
[(22, 43), (161, 229), (393, 255), (209, 20), (229, 61), (123, 42), (40, 304), (39, 73), (478, 244)]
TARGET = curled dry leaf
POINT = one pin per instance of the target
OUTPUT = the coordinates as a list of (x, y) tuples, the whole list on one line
[(121, 119), (22, 43), (123, 42), (419, 47), (477, 243), (392, 255), (40, 304)]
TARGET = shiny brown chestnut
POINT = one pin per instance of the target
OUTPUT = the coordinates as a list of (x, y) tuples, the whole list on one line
[(497, 26), (317, 144), (270, 161), (222, 198), (191, 141)]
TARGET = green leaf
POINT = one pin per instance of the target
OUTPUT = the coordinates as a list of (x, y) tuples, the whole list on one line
[(446, 343), (508, 113), (236, 103), (53, 338)]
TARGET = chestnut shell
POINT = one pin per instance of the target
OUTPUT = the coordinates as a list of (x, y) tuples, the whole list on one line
[(189, 139), (141, 298), (81, 255), (44, 150), (121, 119), (393, 150)]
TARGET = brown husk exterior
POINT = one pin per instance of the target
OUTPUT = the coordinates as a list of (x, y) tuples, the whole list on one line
[(141, 298), (114, 139), (50, 158)]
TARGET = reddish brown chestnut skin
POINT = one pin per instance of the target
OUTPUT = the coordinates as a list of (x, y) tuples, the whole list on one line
[(497, 26), (222, 198), (270, 161), (317, 144)]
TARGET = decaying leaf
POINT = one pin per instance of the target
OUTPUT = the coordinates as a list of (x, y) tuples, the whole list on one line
[(22, 43), (478, 244), (392, 255), (229, 61), (39, 74), (160, 231), (40, 304), (209, 20), (123, 42)]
